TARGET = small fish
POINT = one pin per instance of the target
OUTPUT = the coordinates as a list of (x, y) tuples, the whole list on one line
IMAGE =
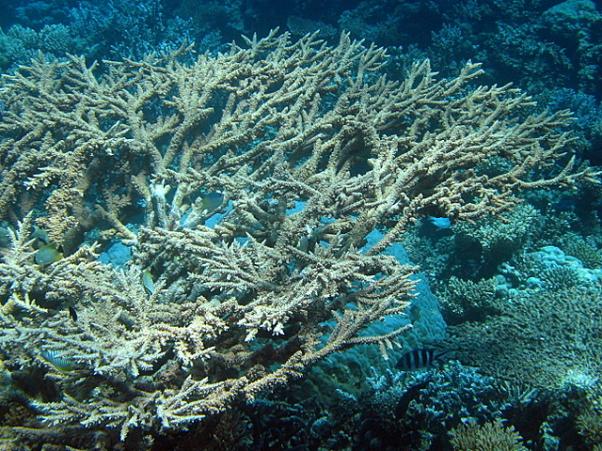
[(147, 281), (440, 223), (47, 254), (211, 201), (73, 313), (5, 236), (57, 360), (40, 234), (304, 243), (418, 359)]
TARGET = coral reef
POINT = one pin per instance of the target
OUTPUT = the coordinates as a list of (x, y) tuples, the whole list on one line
[(246, 185), (465, 300), (544, 333), (486, 437), (135, 28), (585, 250), (195, 246), (492, 241), (416, 410)]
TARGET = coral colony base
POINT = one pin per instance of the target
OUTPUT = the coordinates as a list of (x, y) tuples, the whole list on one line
[(244, 186)]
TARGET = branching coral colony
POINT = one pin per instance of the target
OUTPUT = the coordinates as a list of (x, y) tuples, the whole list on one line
[(299, 149)]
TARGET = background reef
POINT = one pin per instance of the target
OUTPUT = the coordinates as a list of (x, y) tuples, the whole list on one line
[(207, 245)]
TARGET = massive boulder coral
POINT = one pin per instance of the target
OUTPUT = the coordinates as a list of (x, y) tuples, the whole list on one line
[(246, 184)]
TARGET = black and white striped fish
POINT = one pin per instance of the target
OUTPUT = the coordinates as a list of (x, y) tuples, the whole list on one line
[(418, 359)]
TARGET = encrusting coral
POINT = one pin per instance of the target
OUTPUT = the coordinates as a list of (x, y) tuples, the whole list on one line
[(302, 148)]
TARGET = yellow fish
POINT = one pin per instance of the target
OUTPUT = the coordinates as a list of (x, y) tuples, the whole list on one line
[(47, 254)]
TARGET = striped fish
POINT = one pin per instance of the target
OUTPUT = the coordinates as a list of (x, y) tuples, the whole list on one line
[(57, 360), (418, 359)]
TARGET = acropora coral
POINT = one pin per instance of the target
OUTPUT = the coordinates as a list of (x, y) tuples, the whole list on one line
[(303, 149)]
